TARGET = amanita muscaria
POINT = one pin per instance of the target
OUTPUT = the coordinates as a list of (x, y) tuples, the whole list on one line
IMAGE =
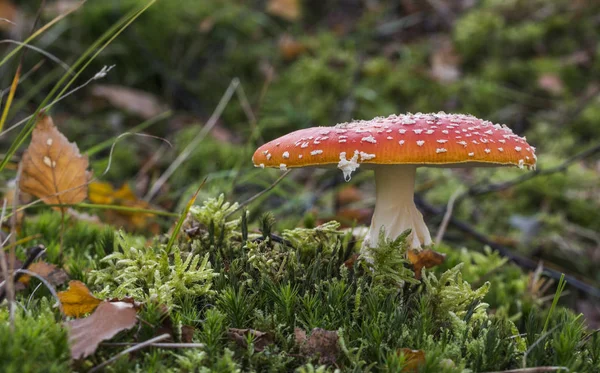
[(394, 147)]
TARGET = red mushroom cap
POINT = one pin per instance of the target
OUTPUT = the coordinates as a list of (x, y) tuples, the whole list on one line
[(416, 139)]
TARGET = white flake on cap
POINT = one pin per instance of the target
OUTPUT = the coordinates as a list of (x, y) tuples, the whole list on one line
[(420, 142), (286, 155), (370, 139), (441, 150), (366, 156), (282, 167), (348, 166), (315, 152)]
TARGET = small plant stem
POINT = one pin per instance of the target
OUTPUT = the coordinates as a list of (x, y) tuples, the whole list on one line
[(6, 274), (136, 347), (257, 195), (62, 235), (181, 219), (159, 345)]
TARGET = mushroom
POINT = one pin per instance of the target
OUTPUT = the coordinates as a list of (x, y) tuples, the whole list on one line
[(394, 147)]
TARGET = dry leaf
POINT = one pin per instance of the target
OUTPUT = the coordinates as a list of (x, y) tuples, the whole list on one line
[(290, 48), (109, 319), (54, 275), (133, 101), (260, 339), (414, 358), (321, 342), (77, 300), (286, 9), (424, 259), (9, 12), (52, 167), (104, 193)]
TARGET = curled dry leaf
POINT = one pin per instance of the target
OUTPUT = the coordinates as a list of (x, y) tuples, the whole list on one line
[(130, 100), (413, 359), (260, 339), (321, 342), (424, 259), (77, 300), (54, 275), (109, 319), (52, 168)]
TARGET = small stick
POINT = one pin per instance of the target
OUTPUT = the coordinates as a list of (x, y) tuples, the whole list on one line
[(160, 345), (533, 370), (136, 347), (447, 215)]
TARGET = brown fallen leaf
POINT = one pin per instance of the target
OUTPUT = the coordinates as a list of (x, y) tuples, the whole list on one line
[(321, 342), (445, 61), (133, 101), (414, 358), (8, 12), (290, 48), (260, 339), (77, 300), (54, 275), (104, 193), (52, 167), (107, 320), (286, 9), (424, 259)]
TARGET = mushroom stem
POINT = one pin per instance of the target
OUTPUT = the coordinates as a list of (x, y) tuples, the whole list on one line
[(395, 208)]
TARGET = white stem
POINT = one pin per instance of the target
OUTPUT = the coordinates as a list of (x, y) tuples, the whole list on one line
[(395, 208)]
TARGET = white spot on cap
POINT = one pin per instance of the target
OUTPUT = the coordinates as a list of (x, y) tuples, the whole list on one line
[(441, 150), (49, 141), (445, 132), (286, 155), (370, 139), (471, 154), (429, 132), (268, 156), (402, 131), (278, 144), (262, 165), (266, 152), (282, 167), (366, 156), (304, 145), (488, 151), (463, 143), (489, 132), (401, 142), (521, 163), (420, 142), (418, 132), (315, 152), (500, 149), (300, 156), (442, 141), (342, 140), (518, 148), (390, 138), (348, 166)]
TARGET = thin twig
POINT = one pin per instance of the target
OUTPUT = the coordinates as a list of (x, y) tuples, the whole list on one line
[(136, 347), (212, 121), (159, 345), (447, 215), (6, 274), (489, 188), (251, 199), (519, 260), (533, 370)]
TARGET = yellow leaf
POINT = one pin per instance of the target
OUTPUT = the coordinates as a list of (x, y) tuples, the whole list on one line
[(414, 358), (77, 300), (104, 193), (52, 167)]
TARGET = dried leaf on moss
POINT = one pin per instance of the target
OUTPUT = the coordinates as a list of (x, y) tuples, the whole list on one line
[(55, 276), (424, 259), (109, 319), (413, 358), (77, 300), (260, 339), (321, 342), (53, 169)]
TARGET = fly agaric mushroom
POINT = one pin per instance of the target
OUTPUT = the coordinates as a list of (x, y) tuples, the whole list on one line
[(394, 147)]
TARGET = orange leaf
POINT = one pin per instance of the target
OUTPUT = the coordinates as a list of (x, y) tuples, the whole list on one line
[(414, 358), (424, 259), (52, 167), (109, 319), (77, 300)]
